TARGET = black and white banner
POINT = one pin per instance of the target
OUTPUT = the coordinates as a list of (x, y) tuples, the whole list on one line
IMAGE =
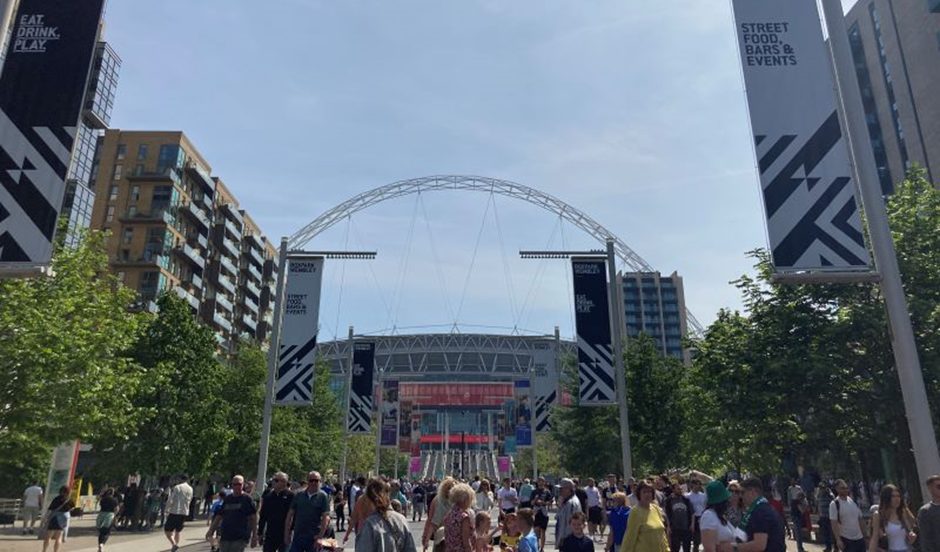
[(295, 367), (359, 418), (41, 90), (592, 322), (813, 219), (545, 383)]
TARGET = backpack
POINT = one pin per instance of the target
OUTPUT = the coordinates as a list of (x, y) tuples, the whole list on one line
[(679, 516)]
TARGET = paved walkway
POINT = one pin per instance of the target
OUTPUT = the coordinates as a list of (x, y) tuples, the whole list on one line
[(84, 538)]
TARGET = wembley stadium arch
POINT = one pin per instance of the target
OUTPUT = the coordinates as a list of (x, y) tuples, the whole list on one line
[(461, 385)]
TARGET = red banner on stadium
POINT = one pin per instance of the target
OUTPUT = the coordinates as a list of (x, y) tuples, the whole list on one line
[(461, 394)]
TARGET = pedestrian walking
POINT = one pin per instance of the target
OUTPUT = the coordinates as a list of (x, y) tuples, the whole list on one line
[(697, 497), (679, 515), (576, 540), (763, 526), (928, 517), (542, 499), (178, 503), (272, 515), (104, 522), (846, 520), (440, 507), (418, 501), (824, 498), (58, 515), (507, 497), (32, 507), (646, 526), (383, 530), (567, 507), (339, 508), (309, 515), (618, 516), (458, 523), (595, 513), (893, 524), (484, 498), (717, 529), (236, 520)]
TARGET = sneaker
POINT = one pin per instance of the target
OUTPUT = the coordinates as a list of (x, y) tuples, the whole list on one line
[(174, 548)]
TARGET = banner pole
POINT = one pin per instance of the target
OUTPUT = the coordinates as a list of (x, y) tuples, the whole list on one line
[(378, 425), (916, 406), (273, 348), (616, 334), (349, 371)]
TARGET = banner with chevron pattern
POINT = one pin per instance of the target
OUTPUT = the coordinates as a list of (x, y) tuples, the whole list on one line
[(592, 323), (809, 193), (359, 417), (298, 343), (41, 91)]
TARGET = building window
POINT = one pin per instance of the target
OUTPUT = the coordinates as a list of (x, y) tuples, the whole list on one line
[(127, 235), (171, 156), (112, 195), (934, 7), (142, 152), (132, 211), (125, 254), (875, 134), (109, 216), (121, 275), (138, 169), (135, 193), (121, 151), (118, 169)]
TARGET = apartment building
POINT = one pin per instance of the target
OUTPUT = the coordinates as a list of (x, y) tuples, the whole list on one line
[(655, 305), (175, 228)]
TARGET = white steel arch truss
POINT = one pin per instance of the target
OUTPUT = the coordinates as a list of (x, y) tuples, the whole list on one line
[(478, 184)]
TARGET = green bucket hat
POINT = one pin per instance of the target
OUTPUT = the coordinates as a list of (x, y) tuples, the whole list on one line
[(716, 492)]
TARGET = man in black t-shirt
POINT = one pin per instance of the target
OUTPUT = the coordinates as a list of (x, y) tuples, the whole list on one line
[(764, 527), (238, 518), (275, 504), (541, 501)]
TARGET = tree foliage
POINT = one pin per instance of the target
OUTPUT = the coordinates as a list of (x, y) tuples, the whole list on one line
[(64, 369)]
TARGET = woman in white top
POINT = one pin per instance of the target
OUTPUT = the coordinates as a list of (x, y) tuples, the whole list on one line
[(893, 524), (484, 498), (716, 529)]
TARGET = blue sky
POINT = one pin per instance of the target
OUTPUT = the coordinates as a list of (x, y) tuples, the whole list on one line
[(632, 111)]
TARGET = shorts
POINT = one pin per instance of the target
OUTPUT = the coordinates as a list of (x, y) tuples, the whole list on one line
[(595, 515), (419, 507), (29, 513), (233, 546), (525, 504), (174, 522), (541, 520)]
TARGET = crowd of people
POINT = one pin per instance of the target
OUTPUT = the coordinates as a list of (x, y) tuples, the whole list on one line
[(656, 514)]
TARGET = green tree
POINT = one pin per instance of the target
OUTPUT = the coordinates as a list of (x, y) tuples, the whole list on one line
[(184, 403), (64, 369)]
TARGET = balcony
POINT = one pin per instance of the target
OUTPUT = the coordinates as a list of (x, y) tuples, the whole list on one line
[(195, 281), (229, 210), (147, 259), (202, 240), (251, 304), (255, 273), (197, 214), (192, 255), (254, 290), (257, 241), (201, 177), (232, 229), (255, 255), (223, 302), (221, 322), (250, 322), (161, 215), (228, 266), (188, 297), (228, 246), (226, 284), (168, 174)]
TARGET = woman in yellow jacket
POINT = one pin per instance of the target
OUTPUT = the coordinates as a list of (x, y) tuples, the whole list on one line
[(646, 529)]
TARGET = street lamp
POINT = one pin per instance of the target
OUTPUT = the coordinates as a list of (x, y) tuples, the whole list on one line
[(616, 332)]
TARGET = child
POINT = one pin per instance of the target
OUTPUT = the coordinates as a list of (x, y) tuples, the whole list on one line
[(526, 522), (511, 533), (481, 532), (577, 541)]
